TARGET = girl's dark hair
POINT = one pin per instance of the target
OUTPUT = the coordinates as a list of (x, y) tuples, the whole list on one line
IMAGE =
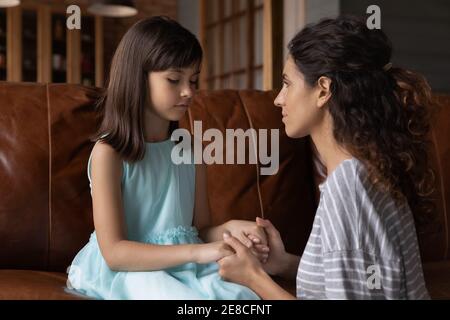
[(381, 115), (153, 44)]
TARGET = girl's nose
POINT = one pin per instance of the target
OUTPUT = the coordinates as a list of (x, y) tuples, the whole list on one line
[(187, 92)]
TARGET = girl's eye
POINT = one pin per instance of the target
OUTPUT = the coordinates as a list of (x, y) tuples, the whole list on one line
[(285, 84), (195, 83), (174, 81)]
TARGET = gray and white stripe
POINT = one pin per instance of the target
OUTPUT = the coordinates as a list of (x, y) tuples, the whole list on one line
[(362, 244)]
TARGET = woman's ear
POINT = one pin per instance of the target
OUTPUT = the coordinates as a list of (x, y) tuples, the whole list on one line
[(324, 87)]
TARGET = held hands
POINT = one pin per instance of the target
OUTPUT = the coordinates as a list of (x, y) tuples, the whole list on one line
[(277, 256), (254, 239), (243, 267), (251, 236)]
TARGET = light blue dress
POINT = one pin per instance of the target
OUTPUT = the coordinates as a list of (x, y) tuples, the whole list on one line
[(158, 200)]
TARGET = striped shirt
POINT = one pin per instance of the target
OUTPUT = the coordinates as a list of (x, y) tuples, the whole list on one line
[(362, 245)]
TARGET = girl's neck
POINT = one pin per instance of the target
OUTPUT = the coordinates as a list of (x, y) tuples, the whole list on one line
[(156, 129), (330, 152)]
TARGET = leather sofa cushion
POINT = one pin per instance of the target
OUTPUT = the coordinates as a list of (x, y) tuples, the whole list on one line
[(34, 285)]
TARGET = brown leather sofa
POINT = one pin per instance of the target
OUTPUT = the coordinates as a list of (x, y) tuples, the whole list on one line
[(45, 205)]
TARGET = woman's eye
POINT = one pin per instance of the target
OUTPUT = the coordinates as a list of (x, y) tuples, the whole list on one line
[(195, 83), (174, 81)]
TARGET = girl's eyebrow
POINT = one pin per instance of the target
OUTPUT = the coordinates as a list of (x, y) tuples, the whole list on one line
[(176, 70), (182, 72)]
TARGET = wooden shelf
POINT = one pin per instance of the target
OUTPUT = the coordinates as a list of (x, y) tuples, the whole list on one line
[(3, 42), (30, 35)]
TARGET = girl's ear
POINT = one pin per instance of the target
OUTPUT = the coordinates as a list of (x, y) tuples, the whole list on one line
[(324, 87)]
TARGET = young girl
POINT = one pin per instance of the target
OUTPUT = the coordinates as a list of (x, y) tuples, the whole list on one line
[(369, 121), (147, 210)]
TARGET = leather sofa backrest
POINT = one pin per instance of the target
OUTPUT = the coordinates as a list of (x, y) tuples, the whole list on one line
[(45, 204)]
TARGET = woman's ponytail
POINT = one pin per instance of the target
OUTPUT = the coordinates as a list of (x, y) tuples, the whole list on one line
[(415, 97)]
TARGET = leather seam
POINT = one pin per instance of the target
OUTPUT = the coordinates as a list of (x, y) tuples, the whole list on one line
[(258, 182), (49, 235)]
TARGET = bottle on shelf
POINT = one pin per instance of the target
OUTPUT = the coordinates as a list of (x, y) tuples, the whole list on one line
[(57, 61), (86, 82)]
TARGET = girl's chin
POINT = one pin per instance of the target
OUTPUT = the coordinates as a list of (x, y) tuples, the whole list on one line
[(177, 115)]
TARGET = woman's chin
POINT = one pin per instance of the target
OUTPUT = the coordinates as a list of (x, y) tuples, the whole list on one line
[(295, 134)]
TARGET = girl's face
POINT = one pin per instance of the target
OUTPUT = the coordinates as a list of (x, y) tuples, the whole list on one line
[(301, 104), (171, 91)]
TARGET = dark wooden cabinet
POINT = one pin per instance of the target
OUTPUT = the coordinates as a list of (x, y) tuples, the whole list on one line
[(37, 46), (88, 51), (2, 44), (59, 48), (29, 45)]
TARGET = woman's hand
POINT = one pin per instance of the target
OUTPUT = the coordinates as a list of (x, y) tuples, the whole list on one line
[(277, 255), (242, 267), (211, 252)]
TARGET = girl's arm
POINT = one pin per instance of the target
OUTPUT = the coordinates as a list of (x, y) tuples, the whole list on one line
[(119, 253)]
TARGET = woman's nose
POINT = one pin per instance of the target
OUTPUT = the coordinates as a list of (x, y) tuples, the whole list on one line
[(279, 100)]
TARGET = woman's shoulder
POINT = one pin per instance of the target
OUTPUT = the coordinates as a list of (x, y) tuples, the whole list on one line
[(350, 182), (343, 177)]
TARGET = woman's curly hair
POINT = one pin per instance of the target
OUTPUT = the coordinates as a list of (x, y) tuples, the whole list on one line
[(381, 115)]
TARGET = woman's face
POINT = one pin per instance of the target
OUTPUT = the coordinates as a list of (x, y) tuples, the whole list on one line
[(171, 91), (301, 109)]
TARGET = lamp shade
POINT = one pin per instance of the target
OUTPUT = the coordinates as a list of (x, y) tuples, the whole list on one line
[(9, 3), (113, 8)]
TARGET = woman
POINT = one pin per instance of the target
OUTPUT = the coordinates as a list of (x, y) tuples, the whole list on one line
[(369, 122)]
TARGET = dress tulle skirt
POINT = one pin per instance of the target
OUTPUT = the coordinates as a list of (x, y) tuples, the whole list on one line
[(90, 275)]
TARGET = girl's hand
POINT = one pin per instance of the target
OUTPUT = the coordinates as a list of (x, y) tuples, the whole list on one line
[(259, 250), (211, 252), (247, 232)]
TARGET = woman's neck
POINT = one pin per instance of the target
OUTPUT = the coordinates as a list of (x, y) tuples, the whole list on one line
[(156, 129), (330, 152)]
